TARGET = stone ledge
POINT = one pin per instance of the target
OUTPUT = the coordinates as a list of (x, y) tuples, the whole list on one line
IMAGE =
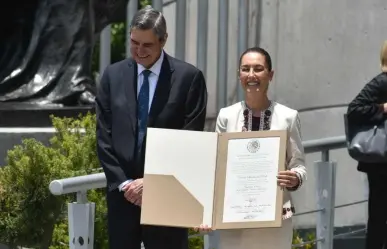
[(26, 115)]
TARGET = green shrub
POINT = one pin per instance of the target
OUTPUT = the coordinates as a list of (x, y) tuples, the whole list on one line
[(195, 242), (297, 239), (30, 215)]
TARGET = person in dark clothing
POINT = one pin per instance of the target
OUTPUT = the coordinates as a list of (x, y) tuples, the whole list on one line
[(149, 89), (370, 107)]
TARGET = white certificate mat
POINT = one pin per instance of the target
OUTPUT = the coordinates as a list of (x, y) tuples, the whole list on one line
[(247, 194), (251, 179)]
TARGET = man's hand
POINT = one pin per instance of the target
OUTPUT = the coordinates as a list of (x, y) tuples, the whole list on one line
[(288, 179), (203, 228), (385, 107), (133, 192)]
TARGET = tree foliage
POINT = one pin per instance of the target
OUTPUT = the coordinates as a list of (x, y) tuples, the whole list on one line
[(29, 212)]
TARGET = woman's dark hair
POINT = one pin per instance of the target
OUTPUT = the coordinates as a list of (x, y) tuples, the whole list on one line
[(260, 51)]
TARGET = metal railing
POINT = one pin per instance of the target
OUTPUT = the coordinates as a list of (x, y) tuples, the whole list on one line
[(81, 212)]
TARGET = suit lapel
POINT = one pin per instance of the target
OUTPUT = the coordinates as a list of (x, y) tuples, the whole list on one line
[(129, 78), (163, 87)]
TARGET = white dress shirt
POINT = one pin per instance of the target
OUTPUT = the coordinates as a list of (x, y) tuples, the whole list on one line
[(153, 78)]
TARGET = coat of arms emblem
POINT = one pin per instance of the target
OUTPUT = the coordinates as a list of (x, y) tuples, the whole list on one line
[(253, 146)]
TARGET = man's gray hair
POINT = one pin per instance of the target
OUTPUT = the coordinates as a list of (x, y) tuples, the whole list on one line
[(149, 18)]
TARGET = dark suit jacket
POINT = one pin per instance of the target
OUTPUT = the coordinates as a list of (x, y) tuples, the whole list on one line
[(367, 108), (179, 102)]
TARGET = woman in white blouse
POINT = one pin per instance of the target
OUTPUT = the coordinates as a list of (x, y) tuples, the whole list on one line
[(257, 112)]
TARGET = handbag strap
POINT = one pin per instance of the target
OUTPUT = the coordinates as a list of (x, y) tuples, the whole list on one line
[(346, 129)]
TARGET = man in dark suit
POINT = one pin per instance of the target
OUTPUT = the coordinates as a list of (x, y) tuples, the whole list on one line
[(150, 89)]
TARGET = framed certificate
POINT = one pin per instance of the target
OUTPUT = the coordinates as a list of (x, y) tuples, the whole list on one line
[(226, 180)]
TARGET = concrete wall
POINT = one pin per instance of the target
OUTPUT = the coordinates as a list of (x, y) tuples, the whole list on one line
[(323, 53)]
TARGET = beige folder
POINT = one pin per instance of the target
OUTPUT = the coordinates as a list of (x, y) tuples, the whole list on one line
[(185, 178)]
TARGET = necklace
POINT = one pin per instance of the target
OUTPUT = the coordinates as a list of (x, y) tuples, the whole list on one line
[(265, 117)]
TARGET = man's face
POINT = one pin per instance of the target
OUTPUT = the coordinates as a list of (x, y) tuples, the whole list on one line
[(145, 46)]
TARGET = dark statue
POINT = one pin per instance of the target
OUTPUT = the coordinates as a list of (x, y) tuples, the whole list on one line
[(46, 49)]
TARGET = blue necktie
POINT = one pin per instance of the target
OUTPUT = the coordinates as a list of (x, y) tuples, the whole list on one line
[(142, 110)]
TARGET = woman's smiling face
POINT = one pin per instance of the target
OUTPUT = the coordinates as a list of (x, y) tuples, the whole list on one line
[(254, 73)]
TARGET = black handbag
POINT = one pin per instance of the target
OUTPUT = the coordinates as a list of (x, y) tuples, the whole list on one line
[(367, 143)]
